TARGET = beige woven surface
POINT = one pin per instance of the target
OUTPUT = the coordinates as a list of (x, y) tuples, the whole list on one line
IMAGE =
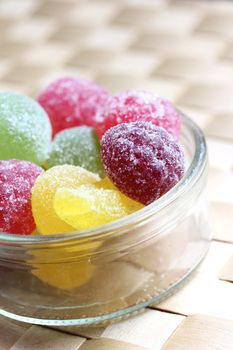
[(183, 50)]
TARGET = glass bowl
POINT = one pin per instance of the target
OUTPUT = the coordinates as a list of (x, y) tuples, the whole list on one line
[(110, 271)]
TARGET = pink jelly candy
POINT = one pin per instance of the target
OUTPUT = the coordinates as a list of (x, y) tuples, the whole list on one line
[(131, 106), (16, 180), (142, 160), (72, 102)]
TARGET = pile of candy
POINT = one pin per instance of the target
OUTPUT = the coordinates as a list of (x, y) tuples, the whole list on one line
[(109, 156)]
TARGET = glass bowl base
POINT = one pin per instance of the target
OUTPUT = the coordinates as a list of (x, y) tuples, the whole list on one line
[(113, 317)]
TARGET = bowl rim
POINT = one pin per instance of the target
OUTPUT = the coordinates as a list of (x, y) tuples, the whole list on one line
[(193, 172)]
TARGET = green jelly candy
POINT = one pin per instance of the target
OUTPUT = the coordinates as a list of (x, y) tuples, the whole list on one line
[(77, 146), (25, 129)]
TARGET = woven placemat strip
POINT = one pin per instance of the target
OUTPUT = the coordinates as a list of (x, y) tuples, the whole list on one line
[(180, 49), (200, 332)]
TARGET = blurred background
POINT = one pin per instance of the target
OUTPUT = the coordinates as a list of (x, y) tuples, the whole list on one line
[(180, 49)]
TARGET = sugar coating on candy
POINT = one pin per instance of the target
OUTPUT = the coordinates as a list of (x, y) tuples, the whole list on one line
[(131, 106), (25, 129), (72, 101), (77, 146), (90, 205), (129, 204), (16, 181), (142, 160), (44, 189)]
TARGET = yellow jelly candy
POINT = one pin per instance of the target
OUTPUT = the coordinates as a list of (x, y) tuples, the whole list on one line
[(44, 190), (92, 205), (75, 272), (65, 276), (129, 203)]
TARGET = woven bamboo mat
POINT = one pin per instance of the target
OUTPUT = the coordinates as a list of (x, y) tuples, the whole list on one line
[(180, 49)]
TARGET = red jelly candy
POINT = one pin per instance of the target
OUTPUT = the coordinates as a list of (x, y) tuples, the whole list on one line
[(142, 160), (16, 180), (131, 106), (72, 102)]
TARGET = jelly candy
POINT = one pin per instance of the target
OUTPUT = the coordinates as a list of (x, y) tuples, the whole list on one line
[(74, 273), (16, 180), (130, 204), (43, 192), (92, 205), (71, 101), (77, 146), (142, 160), (66, 277), (87, 206), (25, 129), (131, 106)]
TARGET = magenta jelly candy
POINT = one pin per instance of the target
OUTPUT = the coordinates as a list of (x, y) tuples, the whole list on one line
[(16, 180), (131, 106), (72, 101), (142, 160)]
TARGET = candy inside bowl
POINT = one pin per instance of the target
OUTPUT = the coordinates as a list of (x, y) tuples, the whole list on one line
[(101, 269)]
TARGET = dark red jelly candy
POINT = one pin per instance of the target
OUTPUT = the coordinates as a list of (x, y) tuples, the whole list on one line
[(72, 102), (142, 160), (131, 106), (16, 180)]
